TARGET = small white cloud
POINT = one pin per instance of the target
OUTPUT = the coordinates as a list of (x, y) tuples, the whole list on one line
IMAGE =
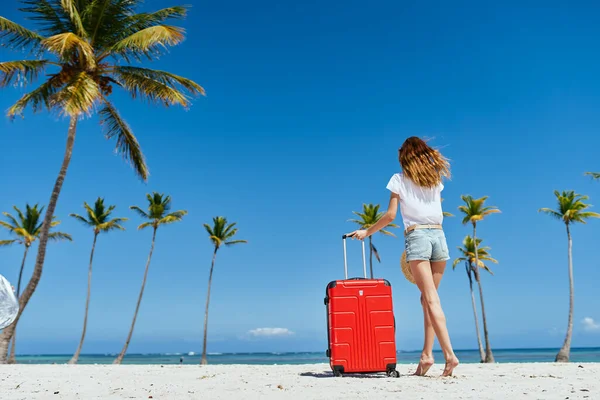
[(589, 325), (270, 332)]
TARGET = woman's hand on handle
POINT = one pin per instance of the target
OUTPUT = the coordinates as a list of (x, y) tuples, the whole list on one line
[(360, 234)]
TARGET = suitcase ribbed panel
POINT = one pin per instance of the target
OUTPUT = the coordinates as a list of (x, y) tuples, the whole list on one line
[(361, 326)]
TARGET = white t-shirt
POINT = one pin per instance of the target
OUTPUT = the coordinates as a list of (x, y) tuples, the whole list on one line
[(418, 205)]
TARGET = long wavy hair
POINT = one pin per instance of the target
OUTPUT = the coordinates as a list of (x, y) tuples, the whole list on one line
[(422, 164)]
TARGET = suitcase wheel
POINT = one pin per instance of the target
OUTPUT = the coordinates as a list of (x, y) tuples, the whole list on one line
[(337, 373), (393, 373)]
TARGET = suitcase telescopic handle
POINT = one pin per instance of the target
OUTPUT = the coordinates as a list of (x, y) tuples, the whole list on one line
[(346, 261)]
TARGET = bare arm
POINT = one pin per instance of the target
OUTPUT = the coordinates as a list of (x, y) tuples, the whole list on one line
[(384, 221)]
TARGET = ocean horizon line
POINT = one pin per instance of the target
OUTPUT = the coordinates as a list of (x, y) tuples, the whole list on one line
[(283, 353)]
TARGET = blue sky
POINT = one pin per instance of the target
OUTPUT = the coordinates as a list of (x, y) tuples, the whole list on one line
[(306, 106)]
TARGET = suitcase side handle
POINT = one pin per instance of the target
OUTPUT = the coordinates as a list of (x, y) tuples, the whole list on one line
[(364, 258)]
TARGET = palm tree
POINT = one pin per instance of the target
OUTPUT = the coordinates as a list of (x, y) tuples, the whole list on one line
[(98, 218), (157, 215), (219, 234), (468, 256), (594, 175), (27, 228), (474, 211), (89, 47), (368, 218), (571, 209)]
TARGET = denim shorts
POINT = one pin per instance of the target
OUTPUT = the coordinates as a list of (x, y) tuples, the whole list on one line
[(426, 244)]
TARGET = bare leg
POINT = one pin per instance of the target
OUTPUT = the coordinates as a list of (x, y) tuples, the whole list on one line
[(423, 273), (427, 359)]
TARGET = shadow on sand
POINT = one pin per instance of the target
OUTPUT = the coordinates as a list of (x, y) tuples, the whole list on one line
[(329, 374)]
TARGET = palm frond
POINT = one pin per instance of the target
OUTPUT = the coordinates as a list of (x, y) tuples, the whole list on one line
[(78, 97), (457, 261), (387, 233), (37, 98), (172, 217), (208, 229), (24, 71), (152, 86), (66, 45), (9, 226), (447, 214), (57, 236), (127, 144), (81, 219), (93, 217), (551, 213), (232, 242), (148, 42), (594, 175), (8, 242), (15, 36), (140, 212), (145, 225), (141, 21), (582, 216), (50, 17), (134, 23), (355, 221), (111, 225), (24, 233), (71, 8)]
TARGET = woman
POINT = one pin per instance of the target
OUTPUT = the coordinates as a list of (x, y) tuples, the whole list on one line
[(418, 190)]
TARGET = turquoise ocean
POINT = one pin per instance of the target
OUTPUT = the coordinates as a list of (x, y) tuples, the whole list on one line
[(580, 355)]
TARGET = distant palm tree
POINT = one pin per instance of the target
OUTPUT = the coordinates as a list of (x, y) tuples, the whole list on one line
[(468, 256), (158, 215), (219, 234), (474, 211), (571, 209), (83, 49), (98, 218), (367, 218), (594, 175), (26, 227)]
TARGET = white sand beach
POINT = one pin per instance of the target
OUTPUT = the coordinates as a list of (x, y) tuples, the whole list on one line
[(471, 381)]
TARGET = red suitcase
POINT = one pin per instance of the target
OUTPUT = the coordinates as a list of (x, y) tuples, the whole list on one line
[(361, 328)]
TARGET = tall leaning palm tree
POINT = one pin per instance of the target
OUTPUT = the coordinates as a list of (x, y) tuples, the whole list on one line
[(367, 218), (220, 233), (83, 49), (468, 257), (98, 218), (571, 209), (157, 215), (27, 228), (474, 211)]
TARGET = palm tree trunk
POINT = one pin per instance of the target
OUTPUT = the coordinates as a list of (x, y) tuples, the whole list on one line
[(564, 353), (8, 332), (204, 361), (12, 358), (469, 272), (489, 357), (119, 358), (371, 255), (75, 357)]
